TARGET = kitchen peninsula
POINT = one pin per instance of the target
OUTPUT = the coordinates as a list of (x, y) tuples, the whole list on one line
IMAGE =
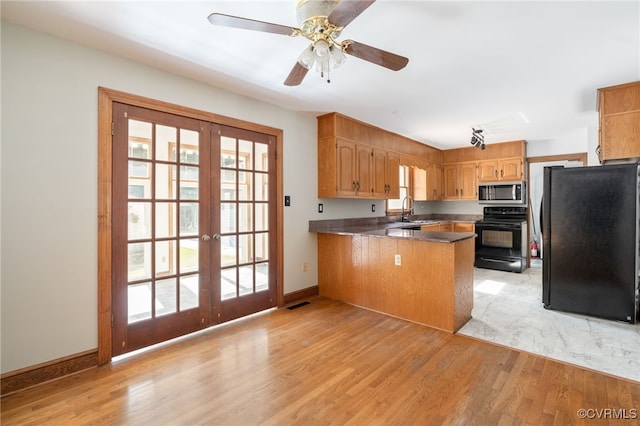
[(397, 269)]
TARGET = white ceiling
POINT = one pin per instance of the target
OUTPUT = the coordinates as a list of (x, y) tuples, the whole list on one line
[(521, 69)]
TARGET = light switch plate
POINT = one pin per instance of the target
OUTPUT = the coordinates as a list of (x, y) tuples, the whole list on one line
[(398, 260)]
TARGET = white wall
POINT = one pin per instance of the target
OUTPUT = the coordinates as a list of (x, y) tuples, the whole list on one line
[(49, 185), (576, 141)]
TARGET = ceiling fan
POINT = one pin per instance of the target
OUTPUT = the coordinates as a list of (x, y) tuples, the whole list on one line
[(322, 22)]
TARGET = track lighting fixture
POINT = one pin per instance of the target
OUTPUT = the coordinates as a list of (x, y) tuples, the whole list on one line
[(477, 138)]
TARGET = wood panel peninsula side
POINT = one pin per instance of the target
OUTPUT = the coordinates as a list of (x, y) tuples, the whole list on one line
[(431, 285)]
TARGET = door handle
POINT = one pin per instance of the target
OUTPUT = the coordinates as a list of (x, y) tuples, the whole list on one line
[(206, 237)]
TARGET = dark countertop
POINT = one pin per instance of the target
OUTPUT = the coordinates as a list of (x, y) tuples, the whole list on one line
[(384, 227)]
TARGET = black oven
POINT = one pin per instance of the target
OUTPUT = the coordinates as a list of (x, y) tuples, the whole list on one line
[(502, 239)]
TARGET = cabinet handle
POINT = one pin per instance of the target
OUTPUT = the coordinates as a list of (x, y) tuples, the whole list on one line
[(496, 172), (456, 192), (353, 185), (501, 173), (461, 194)]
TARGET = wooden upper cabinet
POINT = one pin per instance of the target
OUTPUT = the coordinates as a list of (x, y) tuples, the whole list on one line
[(488, 171), (345, 172), (503, 169), (393, 175), (512, 168), (451, 185), (419, 181), (460, 182), (351, 165), (619, 108), (468, 181), (434, 182), (364, 171), (357, 160)]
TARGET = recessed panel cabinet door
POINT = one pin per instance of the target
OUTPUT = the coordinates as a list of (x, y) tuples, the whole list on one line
[(379, 173), (364, 171), (511, 169), (346, 168), (468, 183)]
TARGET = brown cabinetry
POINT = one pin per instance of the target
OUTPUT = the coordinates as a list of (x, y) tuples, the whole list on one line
[(426, 181), (619, 108), (449, 227), (349, 167), (464, 227), (501, 169), (434, 182), (460, 181)]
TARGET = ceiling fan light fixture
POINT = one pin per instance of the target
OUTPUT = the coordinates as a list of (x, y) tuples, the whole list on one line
[(322, 51), (337, 57), (307, 57)]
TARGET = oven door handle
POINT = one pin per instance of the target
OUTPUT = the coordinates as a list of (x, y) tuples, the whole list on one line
[(497, 226)]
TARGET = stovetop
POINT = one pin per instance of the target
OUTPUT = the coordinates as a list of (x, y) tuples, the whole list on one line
[(511, 214)]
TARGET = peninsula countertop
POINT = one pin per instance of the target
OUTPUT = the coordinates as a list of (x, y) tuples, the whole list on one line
[(389, 228)]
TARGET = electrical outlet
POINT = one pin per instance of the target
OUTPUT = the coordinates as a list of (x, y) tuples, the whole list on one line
[(320, 207), (398, 260), (373, 207), (304, 266)]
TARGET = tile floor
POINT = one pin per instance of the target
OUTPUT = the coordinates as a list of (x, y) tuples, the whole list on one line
[(508, 311)]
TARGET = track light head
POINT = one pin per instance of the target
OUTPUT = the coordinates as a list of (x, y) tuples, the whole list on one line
[(477, 138)]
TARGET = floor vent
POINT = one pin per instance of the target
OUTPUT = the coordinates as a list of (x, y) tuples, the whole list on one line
[(297, 305)]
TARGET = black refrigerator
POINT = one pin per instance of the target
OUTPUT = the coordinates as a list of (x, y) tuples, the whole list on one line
[(590, 240)]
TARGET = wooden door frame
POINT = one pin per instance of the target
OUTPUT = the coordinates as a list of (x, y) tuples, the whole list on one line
[(106, 97)]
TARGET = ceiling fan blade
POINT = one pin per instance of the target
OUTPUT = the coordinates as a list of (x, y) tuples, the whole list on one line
[(348, 10), (250, 24), (375, 55), (297, 74)]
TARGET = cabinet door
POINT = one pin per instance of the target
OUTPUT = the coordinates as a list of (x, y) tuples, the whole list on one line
[(446, 227), (419, 184), (438, 182), (364, 171), (511, 169), (468, 182), (434, 182), (464, 227), (620, 136), (345, 168), (393, 175), (488, 171), (450, 178), (379, 174), (430, 228)]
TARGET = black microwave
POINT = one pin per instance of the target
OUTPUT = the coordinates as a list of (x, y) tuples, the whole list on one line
[(503, 193)]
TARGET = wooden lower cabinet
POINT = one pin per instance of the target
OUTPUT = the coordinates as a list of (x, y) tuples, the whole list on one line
[(464, 227), (450, 227), (432, 286)]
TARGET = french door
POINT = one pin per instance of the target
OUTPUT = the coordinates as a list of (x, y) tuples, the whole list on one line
[(193, 225)]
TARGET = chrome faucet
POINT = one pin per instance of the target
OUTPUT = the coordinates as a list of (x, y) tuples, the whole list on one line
[(404, 218)]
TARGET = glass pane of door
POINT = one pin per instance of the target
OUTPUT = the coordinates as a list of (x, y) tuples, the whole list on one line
[(244, 222), (163, 214)]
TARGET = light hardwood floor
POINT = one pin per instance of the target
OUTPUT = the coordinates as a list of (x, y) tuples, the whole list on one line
[(327, 363)]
